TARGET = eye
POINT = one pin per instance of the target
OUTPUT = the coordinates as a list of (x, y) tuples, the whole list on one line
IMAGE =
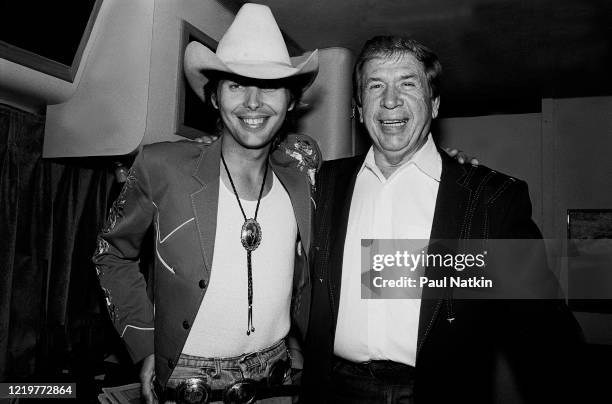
[(374, 86), (408, 84), (234, 86)]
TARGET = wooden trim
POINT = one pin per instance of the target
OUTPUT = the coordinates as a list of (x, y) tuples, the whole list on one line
[(49, 66), (76, 62), (548, 164), (187, 30), (36, 62)]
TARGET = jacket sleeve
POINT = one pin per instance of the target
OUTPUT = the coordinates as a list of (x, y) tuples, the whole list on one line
[(544, 341), (517, 221), (117, 258)]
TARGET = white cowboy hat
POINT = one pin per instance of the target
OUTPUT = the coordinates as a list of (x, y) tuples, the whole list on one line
[(253, 47)]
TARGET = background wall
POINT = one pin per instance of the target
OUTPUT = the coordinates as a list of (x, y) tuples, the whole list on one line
[(580, 131), (211, 18), (129, 91), (106, 114), (508, 143), (326, 111)]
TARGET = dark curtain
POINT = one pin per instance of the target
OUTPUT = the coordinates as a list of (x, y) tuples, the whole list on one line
[(52, 320), (25, 195)]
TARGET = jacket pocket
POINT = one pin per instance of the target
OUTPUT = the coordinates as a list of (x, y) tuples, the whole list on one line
[(174, 249)]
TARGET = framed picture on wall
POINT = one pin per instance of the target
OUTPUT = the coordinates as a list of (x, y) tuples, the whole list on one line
[(194, 118), (589, 247)]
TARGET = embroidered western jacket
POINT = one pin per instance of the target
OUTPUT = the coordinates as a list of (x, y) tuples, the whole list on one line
[(174, 187)]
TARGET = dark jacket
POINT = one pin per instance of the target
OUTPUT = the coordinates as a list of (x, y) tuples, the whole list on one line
[(459, 341)]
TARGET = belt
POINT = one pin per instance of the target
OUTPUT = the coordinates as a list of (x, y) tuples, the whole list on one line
[(196, 391), (381, 369)]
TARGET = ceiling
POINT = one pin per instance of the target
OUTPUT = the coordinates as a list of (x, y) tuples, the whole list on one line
[(499, 56)]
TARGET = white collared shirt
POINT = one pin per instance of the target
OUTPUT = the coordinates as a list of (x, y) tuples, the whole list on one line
[(399, 207)]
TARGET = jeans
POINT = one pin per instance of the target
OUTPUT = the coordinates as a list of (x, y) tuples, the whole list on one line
[(374, 382), (220, 373)]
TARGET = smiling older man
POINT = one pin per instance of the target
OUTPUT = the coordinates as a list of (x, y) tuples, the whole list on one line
[(432, 348)]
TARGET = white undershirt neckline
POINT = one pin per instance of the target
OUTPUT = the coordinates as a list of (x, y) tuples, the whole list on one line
[(219, 329)]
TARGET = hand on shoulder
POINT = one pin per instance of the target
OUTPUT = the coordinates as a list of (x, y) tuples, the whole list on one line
[(205, 139), (461, 156)]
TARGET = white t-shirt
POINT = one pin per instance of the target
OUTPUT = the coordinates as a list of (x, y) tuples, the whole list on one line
[(219, 329)]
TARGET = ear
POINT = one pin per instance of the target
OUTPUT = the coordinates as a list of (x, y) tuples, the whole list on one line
[(360, 113), (435, 106), (291, 106)]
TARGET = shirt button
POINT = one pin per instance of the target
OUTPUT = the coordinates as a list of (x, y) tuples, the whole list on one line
[(186, 324), (170, 363), (202, 284)]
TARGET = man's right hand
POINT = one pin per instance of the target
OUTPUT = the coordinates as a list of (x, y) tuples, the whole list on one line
[(147, 375)]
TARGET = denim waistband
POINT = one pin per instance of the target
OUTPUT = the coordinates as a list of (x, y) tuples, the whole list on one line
[(241, 362)]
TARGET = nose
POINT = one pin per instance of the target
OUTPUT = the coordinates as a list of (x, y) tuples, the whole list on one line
[(391, 99), (253, 100)]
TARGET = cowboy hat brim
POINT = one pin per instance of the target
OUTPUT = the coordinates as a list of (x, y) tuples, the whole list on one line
[(199, 60)]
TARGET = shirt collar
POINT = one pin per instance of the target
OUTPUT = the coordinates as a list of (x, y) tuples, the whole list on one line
[(426, 159)]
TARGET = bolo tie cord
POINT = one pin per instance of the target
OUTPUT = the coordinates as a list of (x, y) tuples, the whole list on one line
[(250, 326)]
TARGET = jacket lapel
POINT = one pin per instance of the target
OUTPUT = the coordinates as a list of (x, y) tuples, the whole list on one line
[(339, 196), (205, 200), (449, 212), (298, 188)]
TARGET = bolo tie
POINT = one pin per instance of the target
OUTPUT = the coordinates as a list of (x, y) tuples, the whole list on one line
[(250, 237)]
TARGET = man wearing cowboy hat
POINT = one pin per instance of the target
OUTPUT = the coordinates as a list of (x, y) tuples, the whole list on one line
[(232, 230)]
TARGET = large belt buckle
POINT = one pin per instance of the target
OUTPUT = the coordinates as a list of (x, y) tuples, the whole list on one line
[(241, 392), (194, 390)]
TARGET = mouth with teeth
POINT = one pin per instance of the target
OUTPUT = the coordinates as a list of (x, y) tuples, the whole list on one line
[(254, 123), (393, 123)]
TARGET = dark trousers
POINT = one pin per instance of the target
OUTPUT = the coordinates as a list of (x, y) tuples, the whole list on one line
[(374, 382)]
